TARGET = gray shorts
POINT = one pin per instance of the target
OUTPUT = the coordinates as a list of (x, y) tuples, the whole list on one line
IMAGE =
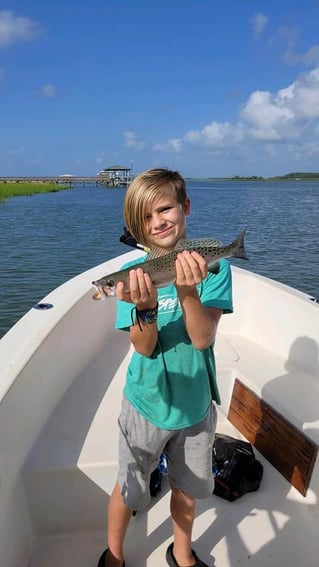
[(188, 451)]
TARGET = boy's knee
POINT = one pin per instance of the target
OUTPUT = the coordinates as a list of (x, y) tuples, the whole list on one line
[(181, 495), (135, 500), (176, 491)]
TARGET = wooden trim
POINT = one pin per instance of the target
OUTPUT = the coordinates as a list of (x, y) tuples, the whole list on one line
[(287, 448)]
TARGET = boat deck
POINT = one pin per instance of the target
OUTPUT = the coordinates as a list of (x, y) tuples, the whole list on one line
[(261, 528), (275, 525)]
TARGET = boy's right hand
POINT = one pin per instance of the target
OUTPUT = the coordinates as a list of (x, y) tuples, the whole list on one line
[(142, 291), (191, 269)]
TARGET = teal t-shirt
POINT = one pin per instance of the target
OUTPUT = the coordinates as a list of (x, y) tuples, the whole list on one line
[(173, 388)]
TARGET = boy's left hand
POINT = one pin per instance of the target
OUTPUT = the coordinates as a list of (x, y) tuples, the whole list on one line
[(142, 291), (191, 269)]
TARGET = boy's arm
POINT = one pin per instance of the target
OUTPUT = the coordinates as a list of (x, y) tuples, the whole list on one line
[(200, 322), (143, 295), (144, 337)]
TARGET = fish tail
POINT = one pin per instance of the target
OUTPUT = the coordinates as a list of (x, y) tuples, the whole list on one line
[(239, 245)]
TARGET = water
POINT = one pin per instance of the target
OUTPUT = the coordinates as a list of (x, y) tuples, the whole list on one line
[(47, 239)]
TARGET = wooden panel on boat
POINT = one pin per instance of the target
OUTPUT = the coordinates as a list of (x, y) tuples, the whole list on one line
[(288, 449)]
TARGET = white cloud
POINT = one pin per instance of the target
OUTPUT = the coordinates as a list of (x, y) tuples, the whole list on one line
[(132, 141), (291, 113), (285, 114), (174, 144), (259, 22), (16, 28), (48, 91), (215, 135), (267, 118), (302, 150), (306, 96), (309, 57), (290, 35)]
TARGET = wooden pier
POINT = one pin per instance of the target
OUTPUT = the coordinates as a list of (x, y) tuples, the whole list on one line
[(71, 180)]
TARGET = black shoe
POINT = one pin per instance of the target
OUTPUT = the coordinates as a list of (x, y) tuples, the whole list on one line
[(101, 562), (173, 563)]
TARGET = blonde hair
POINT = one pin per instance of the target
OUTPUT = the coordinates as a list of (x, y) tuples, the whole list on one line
[(143, 191)]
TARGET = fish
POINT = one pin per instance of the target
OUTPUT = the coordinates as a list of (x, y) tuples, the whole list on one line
[(160, 264)]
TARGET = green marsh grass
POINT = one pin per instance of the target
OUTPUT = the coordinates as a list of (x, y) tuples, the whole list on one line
[(8, 190)]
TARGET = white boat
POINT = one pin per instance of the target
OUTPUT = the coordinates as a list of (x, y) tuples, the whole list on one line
[(61, 379)]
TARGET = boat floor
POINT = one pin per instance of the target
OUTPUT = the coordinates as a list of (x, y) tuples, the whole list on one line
[(273, 526)]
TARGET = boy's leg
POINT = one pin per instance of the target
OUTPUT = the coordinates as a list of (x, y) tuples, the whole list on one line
[(119, 516), (189, 454), (140, 445), (183, 514)]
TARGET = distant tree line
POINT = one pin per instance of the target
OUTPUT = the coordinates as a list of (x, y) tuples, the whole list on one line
[(299, 175), (244, 178), (295, 175)]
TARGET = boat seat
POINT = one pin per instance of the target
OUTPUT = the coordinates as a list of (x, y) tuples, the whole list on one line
[(100, 448), (287, 387), (289, 392)]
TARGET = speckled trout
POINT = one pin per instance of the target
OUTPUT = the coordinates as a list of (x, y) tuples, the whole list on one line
[(160, 265)]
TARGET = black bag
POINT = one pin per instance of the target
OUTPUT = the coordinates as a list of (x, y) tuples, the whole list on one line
[(235, 468), (155, 482)]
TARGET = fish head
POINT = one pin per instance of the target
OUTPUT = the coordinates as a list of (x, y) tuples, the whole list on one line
[(107, 289)]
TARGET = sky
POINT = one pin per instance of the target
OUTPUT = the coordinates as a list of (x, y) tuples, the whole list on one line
[(208, 87)]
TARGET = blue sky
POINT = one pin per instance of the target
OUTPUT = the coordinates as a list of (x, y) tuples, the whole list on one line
[(208, 87)]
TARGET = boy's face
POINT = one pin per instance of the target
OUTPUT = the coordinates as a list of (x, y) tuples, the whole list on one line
[(165, 221)]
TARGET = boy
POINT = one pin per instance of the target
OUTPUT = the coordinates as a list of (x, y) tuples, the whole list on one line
[(170, 382)]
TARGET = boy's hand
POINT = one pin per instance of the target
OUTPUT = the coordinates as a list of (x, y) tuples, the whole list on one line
[(191, 269), (142, 291)]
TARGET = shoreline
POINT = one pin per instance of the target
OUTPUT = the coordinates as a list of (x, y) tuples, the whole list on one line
[(8, 190), (253, 179)]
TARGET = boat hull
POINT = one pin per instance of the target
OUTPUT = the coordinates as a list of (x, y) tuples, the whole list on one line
[(61, 380)]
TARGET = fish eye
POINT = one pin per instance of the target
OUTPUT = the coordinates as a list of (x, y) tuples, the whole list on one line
[(110, 283)]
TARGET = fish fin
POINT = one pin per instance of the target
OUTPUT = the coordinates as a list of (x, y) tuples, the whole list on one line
[(181, 245), (97, 296), (156, 253), (214, 269), (211, 242), (239, 242), (185, 244)]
